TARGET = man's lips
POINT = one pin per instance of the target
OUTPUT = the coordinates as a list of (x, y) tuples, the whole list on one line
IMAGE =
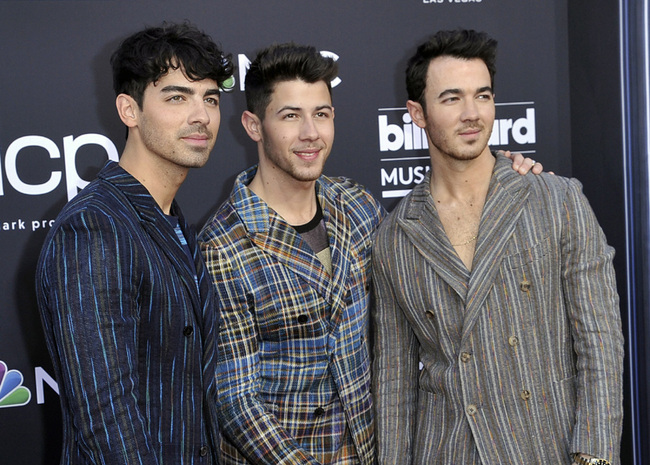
[(470, 133), (307, 154), (197, 139)]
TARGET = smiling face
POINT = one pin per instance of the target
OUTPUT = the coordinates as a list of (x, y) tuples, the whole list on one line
[(459, 108), (179, 120), (296, 135)]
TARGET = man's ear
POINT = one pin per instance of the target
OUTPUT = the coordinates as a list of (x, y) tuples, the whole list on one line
[(127, 109), (252, 125), (417, 113)]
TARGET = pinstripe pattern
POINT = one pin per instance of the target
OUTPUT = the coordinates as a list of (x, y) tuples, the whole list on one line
[(522, 358), (292, 378), (115, 294)]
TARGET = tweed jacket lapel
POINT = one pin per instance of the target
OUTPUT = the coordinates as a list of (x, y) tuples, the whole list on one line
[(422, 225), (506, 197), (156, 225)]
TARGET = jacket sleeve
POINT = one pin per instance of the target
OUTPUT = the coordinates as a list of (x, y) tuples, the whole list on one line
[(593, 307), (395, 364), (88, 299), (243, 418)]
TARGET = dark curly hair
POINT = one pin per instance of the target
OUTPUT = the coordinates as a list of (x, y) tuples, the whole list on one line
[(459, 43), (285, 62), (146, 56)]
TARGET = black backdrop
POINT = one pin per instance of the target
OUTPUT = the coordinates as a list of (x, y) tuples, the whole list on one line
[(58, 125)]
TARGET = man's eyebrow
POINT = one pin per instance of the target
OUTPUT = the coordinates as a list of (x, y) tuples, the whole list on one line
[(181, 89), (446, 92), (209, 92), (292, 108), (189, 90), (480, 90)]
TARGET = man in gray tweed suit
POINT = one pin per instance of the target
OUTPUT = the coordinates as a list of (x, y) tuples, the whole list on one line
[(497, 333)]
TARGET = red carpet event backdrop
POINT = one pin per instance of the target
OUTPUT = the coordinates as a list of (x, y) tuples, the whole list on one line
[(59, 126)]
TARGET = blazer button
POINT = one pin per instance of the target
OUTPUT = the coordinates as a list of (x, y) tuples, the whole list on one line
[(525, 394), (465, 357), (319, 411), (203, 451), (524, 285), (513, 340), (187, 331), (302, 319), (471, 410)]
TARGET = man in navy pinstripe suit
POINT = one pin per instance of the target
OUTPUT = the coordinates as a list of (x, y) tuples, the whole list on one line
[(127, 306), (497, 330)]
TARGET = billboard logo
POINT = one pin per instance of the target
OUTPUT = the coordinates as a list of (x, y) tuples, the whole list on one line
[(12, 391), (404, 145)]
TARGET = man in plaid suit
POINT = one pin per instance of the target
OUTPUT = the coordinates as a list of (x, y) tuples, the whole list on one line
[(289, 253)]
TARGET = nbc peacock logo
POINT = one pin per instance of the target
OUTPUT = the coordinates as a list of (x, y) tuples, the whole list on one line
[(12, 391)]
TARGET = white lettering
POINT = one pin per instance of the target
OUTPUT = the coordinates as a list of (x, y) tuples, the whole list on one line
[(74, 183), (521, 129), (243, 64), (12, 173), (71, 145), (388, 178), (42, 377), (393, 137), (404, 175)]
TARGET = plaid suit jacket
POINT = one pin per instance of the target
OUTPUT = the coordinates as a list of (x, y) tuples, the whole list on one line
[(131, 332), (293, 366), (522, 358)]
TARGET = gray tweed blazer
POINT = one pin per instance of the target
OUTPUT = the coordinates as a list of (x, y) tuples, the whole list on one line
[(519, 361)]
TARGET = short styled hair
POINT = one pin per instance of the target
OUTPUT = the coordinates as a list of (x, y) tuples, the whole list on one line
[(144, 57), (460, 43), (285, 62)]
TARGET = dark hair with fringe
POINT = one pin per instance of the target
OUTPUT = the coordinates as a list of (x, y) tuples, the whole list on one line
[(146, 56), (285, 62), (459, 43)]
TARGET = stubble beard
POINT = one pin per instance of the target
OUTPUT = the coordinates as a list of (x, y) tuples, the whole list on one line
[(452, 148), (291, 166), (175, 150)]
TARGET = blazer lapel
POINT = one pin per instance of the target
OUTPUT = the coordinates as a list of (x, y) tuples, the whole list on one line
[(339, 234), (157, 226), (506, 197), (424, 229)]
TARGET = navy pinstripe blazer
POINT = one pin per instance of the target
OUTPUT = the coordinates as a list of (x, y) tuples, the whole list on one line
[(522, 358), (131, 334)]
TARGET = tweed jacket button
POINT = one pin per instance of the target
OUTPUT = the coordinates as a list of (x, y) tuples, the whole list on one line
[(319, 411), (302, 319), (525, 394), (430, 314), (187, 331), (471, 410), (524, 285), (513, 340), (465, 357), (203, 451)]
